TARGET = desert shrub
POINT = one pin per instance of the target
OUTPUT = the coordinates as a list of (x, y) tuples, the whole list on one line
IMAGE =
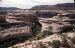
[(49, 43), (73, 40), (37, 34), (47, 33), (67, 28), (64, 43), (41, 45), (56, 44), (37, 31), (43, 34)]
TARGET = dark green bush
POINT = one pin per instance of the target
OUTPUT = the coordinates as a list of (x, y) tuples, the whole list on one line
[(36, 29), (37, 34), (47, 33), (43, 34)]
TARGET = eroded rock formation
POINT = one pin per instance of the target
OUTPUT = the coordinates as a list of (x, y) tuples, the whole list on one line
[(15, 32), (56, 23)]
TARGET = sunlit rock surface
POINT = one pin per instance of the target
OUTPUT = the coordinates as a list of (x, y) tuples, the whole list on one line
[(56, 23), (45, 41)]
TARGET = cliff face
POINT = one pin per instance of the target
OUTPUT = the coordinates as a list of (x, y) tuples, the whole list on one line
[(21, 18), (56, 23), (15, 32), (16, 26)]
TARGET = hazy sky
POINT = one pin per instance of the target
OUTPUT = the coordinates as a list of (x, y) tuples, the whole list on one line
[(30, 3)]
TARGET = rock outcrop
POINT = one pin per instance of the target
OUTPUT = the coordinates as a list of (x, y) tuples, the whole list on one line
[(2, 18), (56, 23), (30, 18), (15, 32)]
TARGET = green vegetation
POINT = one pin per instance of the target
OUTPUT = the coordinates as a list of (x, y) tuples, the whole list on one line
[(41, 45), (56, 44), (36, 29), (64, 43), (47, 33), (37, 34), (41, 35)]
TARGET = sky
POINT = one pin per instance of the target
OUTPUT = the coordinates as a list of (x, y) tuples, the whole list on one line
[(26, 4)]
